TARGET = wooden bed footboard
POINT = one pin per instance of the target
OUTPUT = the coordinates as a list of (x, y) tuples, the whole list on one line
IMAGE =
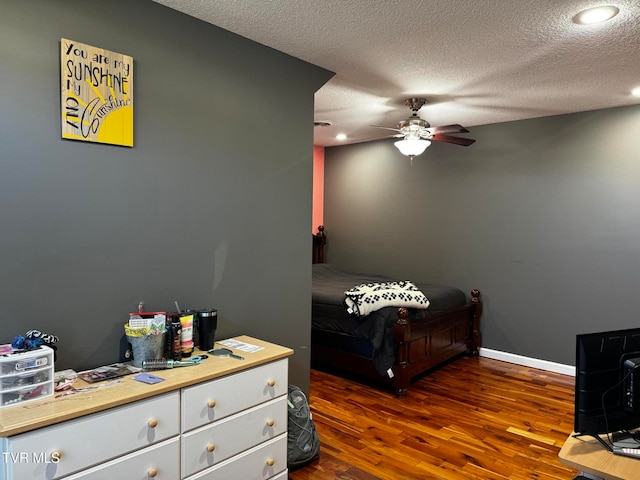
[(421, 344), (428, 342)]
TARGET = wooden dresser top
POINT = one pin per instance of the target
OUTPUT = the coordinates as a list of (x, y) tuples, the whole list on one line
[(51, 410)]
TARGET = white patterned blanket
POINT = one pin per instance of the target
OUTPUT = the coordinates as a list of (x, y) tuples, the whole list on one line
[(365, 298)]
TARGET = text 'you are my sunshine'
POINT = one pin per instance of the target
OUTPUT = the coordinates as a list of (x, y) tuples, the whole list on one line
[(96, 82)]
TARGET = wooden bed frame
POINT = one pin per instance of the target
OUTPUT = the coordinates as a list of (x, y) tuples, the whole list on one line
[(422, 344)]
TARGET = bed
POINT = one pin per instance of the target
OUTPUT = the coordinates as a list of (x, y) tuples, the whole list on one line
[(391, 344)]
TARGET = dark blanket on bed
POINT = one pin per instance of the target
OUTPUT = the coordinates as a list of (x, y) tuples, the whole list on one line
[(329, 313)]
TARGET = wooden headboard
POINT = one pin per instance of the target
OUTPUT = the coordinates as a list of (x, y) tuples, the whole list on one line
[(319, 241)]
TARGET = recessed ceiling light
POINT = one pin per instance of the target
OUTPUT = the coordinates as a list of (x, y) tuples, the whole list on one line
[(636, 92), (321, 123), (596, 15), (341, 136)]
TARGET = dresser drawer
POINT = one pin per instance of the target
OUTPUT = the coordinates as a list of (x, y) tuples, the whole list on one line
[(87, 441), (266, 461), (221, 440), (158, 462), (281, 476), (220, 398)]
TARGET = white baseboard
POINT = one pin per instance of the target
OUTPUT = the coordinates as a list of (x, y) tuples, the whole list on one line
[(528, 361)]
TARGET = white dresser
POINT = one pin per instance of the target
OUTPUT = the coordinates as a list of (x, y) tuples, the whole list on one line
[(223, 419)]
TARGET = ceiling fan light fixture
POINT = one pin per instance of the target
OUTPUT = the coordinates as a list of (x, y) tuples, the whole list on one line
[(417, 134), (412, 147), (596, 15)]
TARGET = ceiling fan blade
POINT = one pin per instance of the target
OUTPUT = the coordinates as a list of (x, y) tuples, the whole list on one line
[(465, 142), (386, 128), (455, 128)]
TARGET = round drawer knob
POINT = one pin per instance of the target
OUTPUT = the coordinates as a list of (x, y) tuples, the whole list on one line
[(56, 455), (153, 472), (153, 423), (271, 422), (211, 403), (271, 382), (210, 447), (271, 462)]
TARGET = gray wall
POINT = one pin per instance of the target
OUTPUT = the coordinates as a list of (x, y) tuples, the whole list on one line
[(210, 208), (541, 215)]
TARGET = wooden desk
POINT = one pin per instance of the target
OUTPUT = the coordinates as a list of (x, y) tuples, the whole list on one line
[(588, 455)]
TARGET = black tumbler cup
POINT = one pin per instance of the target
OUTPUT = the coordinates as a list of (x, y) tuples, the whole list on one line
[(207, 324)]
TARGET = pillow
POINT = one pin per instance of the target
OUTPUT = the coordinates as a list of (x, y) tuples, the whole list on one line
[(365, 298)]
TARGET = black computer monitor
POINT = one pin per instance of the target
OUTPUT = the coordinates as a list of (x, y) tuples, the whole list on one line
[(605, 401)]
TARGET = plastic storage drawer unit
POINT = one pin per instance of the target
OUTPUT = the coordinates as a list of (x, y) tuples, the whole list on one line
[(26, 376)]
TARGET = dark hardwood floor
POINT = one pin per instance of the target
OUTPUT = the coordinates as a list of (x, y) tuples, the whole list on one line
[(474, 419)]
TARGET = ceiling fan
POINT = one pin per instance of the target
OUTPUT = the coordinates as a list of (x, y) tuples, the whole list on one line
[(417, 134)]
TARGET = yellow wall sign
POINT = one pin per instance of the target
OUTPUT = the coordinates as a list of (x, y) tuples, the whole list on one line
[(97, 94)]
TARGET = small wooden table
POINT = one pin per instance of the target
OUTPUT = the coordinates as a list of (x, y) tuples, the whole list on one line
[(588, 455)]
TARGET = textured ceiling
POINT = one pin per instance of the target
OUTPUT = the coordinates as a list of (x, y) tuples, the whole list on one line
[(476, 61)]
